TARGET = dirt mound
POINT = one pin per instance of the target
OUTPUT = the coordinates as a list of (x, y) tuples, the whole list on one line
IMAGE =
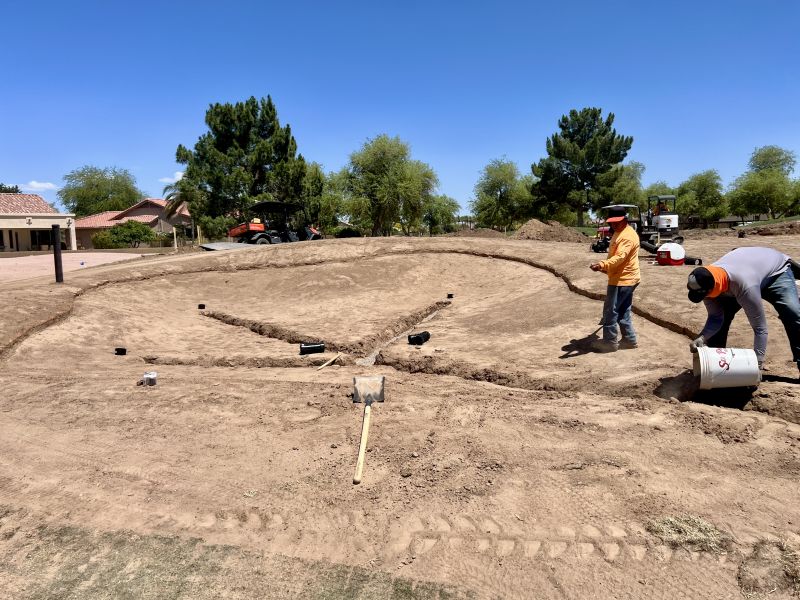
[(769, 229), (552, 231), (785, 228), (477, 232)]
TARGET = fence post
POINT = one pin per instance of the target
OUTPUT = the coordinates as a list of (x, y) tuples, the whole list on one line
[(56, 239)]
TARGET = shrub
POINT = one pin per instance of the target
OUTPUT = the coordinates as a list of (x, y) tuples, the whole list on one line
[(346, 232), (131, 233), (216, 228), (103, 240)]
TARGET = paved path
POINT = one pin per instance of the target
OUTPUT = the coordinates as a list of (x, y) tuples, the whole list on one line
[(26, 267)]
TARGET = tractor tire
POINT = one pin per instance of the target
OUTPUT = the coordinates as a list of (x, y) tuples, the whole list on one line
[(261, 241)]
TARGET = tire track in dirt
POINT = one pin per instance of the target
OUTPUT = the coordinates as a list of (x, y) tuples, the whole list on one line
[(334, 534)]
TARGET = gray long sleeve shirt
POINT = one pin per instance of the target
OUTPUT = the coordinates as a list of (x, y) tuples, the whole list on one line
[(749, 270)]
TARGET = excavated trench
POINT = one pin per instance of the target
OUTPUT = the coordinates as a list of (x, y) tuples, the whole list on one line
[(681, 387)]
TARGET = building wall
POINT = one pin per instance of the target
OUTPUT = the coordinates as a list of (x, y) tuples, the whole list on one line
[(85, 238), (20, 227)]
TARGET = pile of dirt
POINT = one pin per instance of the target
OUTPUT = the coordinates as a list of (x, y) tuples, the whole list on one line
[(784, 228), (552, 231), (477, 232)]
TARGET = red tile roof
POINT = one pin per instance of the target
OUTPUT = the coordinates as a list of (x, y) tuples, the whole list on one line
[(96, 221), (146, 219), (160, 202), (109, 218), (16, 204)]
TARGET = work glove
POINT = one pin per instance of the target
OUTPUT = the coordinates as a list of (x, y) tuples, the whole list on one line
[(696, 343)]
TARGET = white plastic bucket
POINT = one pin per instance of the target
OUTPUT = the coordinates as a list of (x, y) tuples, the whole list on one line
[(726, 367)]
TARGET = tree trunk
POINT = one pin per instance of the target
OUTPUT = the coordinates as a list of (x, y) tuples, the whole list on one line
[(579, 214)]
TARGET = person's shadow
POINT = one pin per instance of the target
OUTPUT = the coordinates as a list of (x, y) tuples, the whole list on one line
[(580, 347)]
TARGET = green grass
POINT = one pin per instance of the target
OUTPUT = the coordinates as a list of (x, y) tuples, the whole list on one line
[(590, 231)]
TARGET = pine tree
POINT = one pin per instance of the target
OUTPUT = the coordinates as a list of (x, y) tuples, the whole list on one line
[(245, 157)]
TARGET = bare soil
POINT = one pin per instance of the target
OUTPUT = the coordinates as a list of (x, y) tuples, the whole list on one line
[(477, 232), (552, 231), (508, 461)]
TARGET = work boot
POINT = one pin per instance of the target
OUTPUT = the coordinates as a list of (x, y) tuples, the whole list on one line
[(627, 344), (604, 346)]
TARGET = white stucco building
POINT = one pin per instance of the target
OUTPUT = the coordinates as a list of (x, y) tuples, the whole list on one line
[(26, 222)]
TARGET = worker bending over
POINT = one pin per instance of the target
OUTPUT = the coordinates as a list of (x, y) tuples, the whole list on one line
[(622, 266), (741, 279)]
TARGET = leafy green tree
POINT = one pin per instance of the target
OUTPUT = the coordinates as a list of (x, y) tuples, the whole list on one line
[(502, 197), (768, 191), (383, 186), (701, 195), (9, 189), (90, 190), (216, 228), (322, 197), (245, 157), (586, 147), (440, 214), (769, 158), (659, 188), (620, 185)]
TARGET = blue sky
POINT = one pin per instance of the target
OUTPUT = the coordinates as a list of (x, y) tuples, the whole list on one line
[(697, 84)]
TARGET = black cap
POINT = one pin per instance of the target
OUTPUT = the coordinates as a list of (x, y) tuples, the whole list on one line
[(700, 283), (616, 213)]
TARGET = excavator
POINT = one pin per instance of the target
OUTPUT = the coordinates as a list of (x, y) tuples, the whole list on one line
[(658, 226), (658, 230)]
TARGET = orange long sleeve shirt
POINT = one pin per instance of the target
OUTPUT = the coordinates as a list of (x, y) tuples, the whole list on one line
[(622, 264)]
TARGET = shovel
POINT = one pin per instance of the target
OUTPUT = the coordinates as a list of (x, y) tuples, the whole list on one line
[(366, 390)]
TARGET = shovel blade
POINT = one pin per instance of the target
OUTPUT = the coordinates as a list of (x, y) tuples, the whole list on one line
[(368, 389)]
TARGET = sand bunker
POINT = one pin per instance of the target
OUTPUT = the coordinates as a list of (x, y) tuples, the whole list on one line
[(508, 460)]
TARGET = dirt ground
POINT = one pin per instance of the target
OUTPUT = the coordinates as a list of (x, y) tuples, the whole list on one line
[(508, 461), (14, 268)]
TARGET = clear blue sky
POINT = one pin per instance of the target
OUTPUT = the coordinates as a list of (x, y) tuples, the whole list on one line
[(697, 84)]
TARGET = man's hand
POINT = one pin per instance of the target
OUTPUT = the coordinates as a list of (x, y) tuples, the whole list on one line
[(696, 343), (595, 267)]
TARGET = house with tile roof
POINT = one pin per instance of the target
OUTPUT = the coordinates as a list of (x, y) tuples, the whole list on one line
[(26, 222), (150, 211)]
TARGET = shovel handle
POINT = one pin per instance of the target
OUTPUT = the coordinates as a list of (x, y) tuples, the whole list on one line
[(330, 362), (362, 448)]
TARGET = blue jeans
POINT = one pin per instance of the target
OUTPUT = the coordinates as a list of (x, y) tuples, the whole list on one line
[(781, 292), (617, 309)]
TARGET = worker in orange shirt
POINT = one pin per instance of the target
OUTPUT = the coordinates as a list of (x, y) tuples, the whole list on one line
[(622, 267)]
